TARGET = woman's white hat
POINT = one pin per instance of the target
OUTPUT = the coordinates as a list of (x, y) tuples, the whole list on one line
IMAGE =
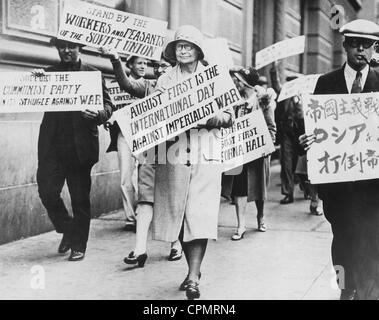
[(185, 33)]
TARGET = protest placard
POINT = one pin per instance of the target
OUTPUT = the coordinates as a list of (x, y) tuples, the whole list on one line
[(347, 137), (97, 26), (55, 91), (120, 98), (248, 140), (167, 113), (279, 50), (217, 52), (301, 85)]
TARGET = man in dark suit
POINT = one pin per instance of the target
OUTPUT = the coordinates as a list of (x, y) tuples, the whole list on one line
[(68, 147), (352, 208)]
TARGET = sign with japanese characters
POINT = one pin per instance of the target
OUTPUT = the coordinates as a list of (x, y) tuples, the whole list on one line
[(97, 26), (304, 84), (279, 50), (247, 140), (179, 107), (347, 137), (55, 91), (120, 98)]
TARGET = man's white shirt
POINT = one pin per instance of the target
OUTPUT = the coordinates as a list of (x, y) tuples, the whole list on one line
[(350, 75)]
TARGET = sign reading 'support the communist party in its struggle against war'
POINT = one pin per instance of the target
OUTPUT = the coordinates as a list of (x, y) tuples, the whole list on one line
[(279, 50), (120, 98), (125, 32), (248, 140), (347, 137), (302, 85), (182, 106), (55, 91)]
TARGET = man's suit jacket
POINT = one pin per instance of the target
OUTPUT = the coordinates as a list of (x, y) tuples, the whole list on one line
[(334, 83), (86, 134)]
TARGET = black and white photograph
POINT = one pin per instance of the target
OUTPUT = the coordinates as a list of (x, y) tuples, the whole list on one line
[(212, 151)]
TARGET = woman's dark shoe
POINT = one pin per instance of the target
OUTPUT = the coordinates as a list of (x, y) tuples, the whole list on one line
[(184, 284), (286, 200), (175, 255), (133, 259), (192, 290)]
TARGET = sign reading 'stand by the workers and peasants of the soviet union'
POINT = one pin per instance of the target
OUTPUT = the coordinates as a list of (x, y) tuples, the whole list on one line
[(97, 27), (279, 50), (177, 108), (247, 140), (347, 137), (54, 91)]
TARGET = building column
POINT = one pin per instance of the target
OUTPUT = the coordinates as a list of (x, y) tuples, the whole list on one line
[(279, 32), (174, 14), (247, 36)]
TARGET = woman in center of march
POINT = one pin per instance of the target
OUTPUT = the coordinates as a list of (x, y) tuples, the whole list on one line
[(187, 193)]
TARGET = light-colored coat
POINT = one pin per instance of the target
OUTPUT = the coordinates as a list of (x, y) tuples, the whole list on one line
[(188, 194)]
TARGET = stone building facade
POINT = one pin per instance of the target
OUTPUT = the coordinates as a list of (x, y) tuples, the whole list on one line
[(248, 25)]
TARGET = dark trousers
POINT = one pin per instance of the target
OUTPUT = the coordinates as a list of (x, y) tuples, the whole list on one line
[(51, 175), (343, 220), (288, 161), (367, 268)]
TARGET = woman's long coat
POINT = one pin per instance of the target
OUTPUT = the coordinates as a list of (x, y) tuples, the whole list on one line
[(258, 171), (188, 193)]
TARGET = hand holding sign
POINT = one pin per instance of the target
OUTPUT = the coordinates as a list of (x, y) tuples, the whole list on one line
[(110, 52), (90, 114), (306, 140)]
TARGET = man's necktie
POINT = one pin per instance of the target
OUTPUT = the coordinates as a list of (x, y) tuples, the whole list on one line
[(357, 87)]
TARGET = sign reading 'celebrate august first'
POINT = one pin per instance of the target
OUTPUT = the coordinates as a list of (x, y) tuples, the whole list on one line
[(98, 27)]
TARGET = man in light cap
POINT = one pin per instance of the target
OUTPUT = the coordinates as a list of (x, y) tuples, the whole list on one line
[(352, 208), (68, 148)]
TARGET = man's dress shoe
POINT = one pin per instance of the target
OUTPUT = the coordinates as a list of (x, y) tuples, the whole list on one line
[(348, 294), (65, 245), (76, 255)]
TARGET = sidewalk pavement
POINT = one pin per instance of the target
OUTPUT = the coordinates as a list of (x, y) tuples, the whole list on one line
[(290, 261)]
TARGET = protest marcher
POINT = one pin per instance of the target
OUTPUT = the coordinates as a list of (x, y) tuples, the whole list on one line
[(126, 161), (140, 89), (187, 195), (301, 171), (352, 207), (251, 184), (286, 117), (310, 190), (68, 147)]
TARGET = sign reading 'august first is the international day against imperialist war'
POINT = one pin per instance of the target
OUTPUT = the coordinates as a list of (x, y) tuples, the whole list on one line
[(347, 137), (182, 106), (125, 32), (55, 91)]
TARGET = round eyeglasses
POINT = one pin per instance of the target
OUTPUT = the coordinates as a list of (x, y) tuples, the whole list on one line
[(355, 43), (185, 46)]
